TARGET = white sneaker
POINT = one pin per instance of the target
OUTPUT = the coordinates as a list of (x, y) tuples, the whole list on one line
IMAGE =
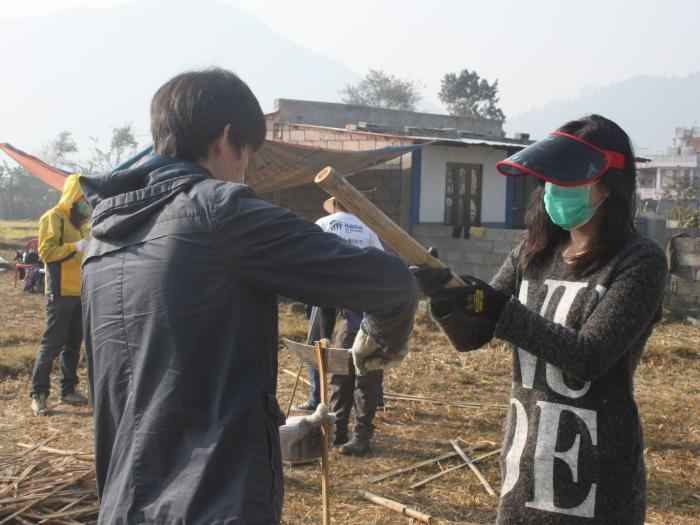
[(39, 405)]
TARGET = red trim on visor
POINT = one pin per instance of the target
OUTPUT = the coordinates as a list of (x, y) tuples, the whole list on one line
[(613, 159), (527, 171)]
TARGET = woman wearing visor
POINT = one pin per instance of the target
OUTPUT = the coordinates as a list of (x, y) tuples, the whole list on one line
[(578, 300)]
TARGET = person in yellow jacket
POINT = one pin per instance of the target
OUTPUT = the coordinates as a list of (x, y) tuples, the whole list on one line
[(63, 237)]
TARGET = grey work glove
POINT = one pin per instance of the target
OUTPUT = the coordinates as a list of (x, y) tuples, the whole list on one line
[(81, 245), (367, 355), (300, 436)]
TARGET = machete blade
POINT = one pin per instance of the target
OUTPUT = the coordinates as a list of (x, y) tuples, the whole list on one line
[(338, 360)]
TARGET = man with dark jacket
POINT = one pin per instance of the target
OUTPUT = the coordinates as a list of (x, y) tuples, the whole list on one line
[(179, 291)]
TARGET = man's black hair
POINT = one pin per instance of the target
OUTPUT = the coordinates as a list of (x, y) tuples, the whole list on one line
[(190, 110)]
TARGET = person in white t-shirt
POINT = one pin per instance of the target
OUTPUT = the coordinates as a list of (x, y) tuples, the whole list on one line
[(363, 392), (346, 225)]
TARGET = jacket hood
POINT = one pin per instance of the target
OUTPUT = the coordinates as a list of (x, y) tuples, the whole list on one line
[(71, 193), (125, 199)]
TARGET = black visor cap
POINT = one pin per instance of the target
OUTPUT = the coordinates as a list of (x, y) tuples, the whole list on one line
[(559, 159)]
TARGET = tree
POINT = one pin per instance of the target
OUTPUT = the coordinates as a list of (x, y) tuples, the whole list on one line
[(59, 150), (123, 142), (382, 90), (23, 196), (469, 95), (683, 190)]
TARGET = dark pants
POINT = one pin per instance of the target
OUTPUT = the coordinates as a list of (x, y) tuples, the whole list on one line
[(63, 335), (350, 390)]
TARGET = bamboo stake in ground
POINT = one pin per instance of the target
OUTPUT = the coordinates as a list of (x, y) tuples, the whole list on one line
[(396, 507), (325, 472), (294, 390), (473, 468)]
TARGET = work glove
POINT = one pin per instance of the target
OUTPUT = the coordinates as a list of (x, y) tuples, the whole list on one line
[(367, 355), (300, 436), (475, 298), (81, 245)]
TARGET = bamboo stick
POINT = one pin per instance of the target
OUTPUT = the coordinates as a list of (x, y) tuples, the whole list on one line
[(293, 374), (388, 231), (422, 463), (67, 507), (57, 489), (473, 468), (424, 482), (396, 507), (325, 469), (465, 404), (294, 389), (77, 454)]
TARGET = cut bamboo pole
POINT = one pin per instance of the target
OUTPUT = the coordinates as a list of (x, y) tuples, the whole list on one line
[(293, 374), (294, 389), (396, 507), (424, 482), (325, 470), (421, 399), (422, 463), (77, 454), (388, 231), (473, 468)]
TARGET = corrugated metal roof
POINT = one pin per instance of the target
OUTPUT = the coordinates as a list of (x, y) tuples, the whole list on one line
[(499, 144)]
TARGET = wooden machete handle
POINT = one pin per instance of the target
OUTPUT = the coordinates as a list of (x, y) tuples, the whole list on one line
[(388, 231)]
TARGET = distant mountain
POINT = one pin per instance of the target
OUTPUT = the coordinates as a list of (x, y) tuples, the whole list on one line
[(86, 70), (648, 107)]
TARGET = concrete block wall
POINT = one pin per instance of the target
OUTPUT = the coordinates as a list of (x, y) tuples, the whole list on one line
[(477, 256), (683, 291), (337, 139)]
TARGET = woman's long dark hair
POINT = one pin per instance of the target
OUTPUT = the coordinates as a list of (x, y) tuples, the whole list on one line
[(618, 210)]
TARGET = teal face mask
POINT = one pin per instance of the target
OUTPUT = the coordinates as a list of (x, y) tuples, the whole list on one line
[(568, 207), (83, 208)]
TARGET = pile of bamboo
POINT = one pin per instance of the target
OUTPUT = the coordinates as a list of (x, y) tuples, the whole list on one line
[(42, 484)]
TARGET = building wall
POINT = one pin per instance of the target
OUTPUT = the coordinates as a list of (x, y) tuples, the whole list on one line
[(433, 173), (330, 138), (337, 115), (478, 256)]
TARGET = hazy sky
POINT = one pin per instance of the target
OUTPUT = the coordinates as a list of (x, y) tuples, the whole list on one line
[(538, 50)]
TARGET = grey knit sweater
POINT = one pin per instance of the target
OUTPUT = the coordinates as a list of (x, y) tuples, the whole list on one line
[(572, 452)]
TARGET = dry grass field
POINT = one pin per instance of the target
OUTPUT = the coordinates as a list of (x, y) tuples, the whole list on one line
[(668, 392)]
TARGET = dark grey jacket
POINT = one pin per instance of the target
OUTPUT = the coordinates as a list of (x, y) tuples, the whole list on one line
[(179, 296)]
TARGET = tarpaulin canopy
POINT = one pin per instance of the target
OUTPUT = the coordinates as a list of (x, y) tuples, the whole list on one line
[(275, 166), (54, 177), (281, 165)]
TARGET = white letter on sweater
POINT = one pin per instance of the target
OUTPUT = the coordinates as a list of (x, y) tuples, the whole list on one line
[(545, 452), (512, 461)]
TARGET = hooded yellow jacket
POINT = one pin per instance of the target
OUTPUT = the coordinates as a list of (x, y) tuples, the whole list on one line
[(57, 236)]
